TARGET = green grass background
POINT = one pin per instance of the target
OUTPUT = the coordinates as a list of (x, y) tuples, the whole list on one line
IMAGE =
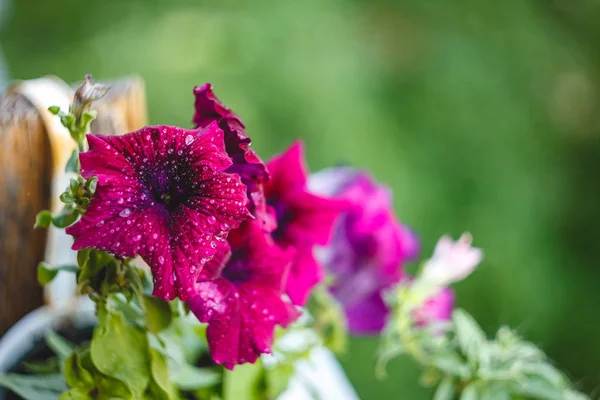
[(481, 116)]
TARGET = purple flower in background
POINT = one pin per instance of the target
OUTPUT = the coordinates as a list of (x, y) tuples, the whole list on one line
[(162, 194), (437, 308), (246, 162), (239, 295), (368, 248), (303, 219)]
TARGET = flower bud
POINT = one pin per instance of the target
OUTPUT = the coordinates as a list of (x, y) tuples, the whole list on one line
[(451, 261), (88, 92)]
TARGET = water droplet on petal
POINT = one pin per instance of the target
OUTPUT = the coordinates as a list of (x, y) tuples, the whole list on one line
[(189, 139), (99, 224), (224, 226), (213, 245), (212, 220), (154, 236), (161, 259), (126, 212), (120, 201), (137, 237), (170, 151)]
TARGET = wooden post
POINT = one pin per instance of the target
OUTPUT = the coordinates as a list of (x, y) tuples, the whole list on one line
[(28, 163)]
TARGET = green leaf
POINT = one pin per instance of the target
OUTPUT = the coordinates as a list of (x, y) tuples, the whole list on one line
[(54, 109), (65, 218), (109, 388), (91, 184), (278, 378), (161, 383), (76, 375), (49, 366), (83, 256), (470, 336), (158, 313), (91, 263), (446, 390), (76, 394), (43, 219), (120, 351), (73, 163), (47, 273), (470, 393), (192, 378), (59, 345), (66, 197), (244, 382), (87, 118), (35, 387), (451, 364)]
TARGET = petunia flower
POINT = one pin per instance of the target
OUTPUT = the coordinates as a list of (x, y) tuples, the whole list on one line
[(239, 295), (303, 219), (368, 248), (161, 194), (437, 308), (246, 162), (451, 261)]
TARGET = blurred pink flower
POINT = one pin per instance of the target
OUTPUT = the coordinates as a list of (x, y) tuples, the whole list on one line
[(451, 261), (368, 248), (437, 308)]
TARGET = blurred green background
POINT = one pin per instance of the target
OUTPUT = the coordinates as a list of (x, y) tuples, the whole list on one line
[(481, 116)]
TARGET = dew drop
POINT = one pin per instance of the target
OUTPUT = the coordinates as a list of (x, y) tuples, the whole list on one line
[(137, 237), (224, 226), (161, 259), (154, 235), (170, 151), (120, 201), (189, 139), (99, 224), (213, 245), (212, 220), (126, 212), (147, 137)]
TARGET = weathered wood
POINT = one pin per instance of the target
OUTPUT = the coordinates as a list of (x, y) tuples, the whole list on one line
[(29, 164), (25, 181)]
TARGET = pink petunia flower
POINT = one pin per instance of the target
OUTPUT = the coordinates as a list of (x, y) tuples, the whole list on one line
[(246, 162), (303, 219), (368, 248), (162, 194), (239, 295)]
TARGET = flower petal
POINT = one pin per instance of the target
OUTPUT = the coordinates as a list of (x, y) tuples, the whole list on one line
[(304, 274), (367, 317), (288, 173)]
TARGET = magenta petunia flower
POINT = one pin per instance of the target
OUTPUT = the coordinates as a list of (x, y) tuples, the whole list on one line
[(246, 162), (437, 308), (368, 248), (303, 219), (162, 194), (239, 295)]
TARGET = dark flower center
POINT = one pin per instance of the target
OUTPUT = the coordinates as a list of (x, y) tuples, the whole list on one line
[(171, 184), (283, 215), (236, 270)]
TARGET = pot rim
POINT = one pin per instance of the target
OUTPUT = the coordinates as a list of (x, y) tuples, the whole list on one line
[(23, 335)]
